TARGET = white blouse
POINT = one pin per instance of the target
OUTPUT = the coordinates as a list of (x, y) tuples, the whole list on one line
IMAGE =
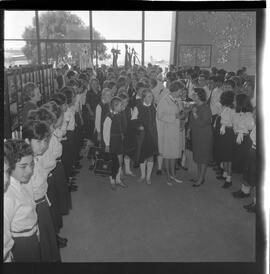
[(253, 136), (20, 209), (71, 118), (243, 122)]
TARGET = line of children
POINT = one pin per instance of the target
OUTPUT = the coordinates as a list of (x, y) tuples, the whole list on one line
[(41, 169)]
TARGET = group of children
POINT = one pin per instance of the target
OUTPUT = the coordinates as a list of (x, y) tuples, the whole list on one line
[(117, 111), (40, 173)]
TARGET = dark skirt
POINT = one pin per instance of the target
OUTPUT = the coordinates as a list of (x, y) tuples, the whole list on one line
[(116, 144), (62, 188), (202, 145), (130, 140), (216, 134), (26, 249), (240, 153), (250, 170), (53, 196), (48, 245), (68, 153), (149, 146), (225, 145)]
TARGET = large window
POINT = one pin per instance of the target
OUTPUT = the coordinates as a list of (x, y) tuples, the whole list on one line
[(118, 25), (69, 36)]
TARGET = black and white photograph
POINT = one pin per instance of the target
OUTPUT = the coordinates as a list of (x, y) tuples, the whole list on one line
[(137, 136)]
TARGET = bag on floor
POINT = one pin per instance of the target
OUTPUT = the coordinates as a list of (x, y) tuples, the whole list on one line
[(103, 165), (95, 153)]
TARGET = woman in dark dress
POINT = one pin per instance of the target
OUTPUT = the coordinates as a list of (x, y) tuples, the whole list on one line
[(145, 113), (202, 134), (92, 100)]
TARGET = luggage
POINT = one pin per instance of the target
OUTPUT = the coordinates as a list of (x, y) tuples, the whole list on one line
[(103, 165), (95, 153)]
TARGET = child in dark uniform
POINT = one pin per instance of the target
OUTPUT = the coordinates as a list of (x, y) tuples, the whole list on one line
[(129, 133), (225, 138), (102, 109), (113, 139), (136, 98), (145, 114)]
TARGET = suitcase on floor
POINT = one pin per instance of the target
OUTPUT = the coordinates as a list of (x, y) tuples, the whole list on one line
[(95, 153), (103, 165)]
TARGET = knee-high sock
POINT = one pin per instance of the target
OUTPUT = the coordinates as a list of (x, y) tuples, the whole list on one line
[(184, 159), (127, 165), (142, 167), (160, 160), (149, 169)]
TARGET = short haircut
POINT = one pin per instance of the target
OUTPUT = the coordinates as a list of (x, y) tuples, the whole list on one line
[(139, 85), (69, 93), (176, 85), (38, 130), (70, 74), (105, 83), (72, 83), (121, 81), (145, 92), (59, 98), (28, 91), (83, 76), (42, 114), (105, 91), (54, 108), (15, 150), (123, 96), (201, 93), (122, 91), (114, 102), (111, 84), (227, 98), (243, 103), (230, 82)]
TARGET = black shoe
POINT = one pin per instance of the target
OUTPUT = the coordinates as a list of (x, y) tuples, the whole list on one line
[(74, 173), (78, 166), (227, 184), (159, 172), (240, 194), (252, 209), (61, 239), (221, 178), (61, 245), (91, 167), (184, 168), (197, 185), (248, 206), (73, 188)]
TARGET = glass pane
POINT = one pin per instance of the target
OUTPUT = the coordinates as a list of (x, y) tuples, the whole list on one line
[(61, 53), (120, 25), (158, 53), (107, 58), (20, 53), (20, 25), (158, 25), (64, 24)]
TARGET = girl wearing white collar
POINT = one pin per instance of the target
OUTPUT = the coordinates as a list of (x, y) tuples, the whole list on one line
[(145, 114), (19, 204)]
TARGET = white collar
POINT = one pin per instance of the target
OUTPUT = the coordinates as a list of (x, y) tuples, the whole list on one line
[(15, 183), (146, 104)]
